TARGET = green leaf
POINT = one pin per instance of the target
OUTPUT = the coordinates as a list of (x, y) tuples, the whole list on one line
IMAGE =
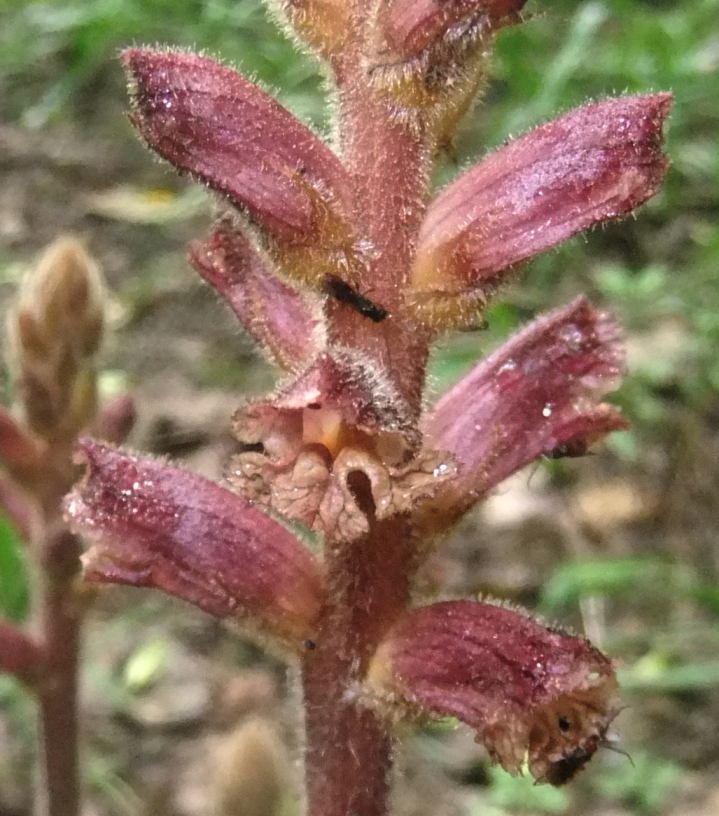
[(572, 582), (14, 578)]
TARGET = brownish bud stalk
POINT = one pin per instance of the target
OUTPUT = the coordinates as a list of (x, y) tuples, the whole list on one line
[(527, 690)]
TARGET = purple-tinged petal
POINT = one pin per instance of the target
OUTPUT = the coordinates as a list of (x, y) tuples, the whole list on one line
[(211, 122), (18, 450), (281, 320), (523, 687), (409, 26), (158, 526), (19, 654), (591, 165), (539, 391), (116, 419)]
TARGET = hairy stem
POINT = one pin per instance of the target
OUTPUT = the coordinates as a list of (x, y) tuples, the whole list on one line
[(349, 748)]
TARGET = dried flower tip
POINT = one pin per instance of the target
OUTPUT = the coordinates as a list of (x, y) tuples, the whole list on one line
[(528, 691), (591, 165), (159, 526)]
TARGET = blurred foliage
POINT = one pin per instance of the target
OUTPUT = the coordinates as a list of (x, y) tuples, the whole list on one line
[(56, 53), (14, 578)]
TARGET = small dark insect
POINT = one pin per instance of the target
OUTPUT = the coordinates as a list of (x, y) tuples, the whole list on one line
[(340, 290), (566, 768), (310, 645), (574, 448)]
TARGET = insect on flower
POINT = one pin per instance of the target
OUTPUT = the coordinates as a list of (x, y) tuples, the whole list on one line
[(340, 290)]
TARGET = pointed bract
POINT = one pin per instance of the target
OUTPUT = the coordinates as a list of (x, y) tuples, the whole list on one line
[(540, 390), (209, 121), (281, 320), (526, 689), (159, 526), (591, 165)]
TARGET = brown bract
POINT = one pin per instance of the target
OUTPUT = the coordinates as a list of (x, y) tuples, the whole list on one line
[(337, 419), (158, 526), (527, 690)]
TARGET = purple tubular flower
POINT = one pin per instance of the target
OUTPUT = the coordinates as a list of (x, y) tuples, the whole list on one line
[(159, 526)]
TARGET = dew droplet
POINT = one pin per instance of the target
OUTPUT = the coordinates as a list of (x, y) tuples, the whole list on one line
[(547, 410)]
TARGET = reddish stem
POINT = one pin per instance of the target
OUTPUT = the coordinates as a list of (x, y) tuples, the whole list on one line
[(348, 746), (60, 618)]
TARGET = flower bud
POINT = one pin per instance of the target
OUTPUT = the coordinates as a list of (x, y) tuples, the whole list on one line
[(55, 331), (539, 391)]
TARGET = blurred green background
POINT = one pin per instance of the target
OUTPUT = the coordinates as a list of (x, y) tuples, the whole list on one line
[(646, 569)]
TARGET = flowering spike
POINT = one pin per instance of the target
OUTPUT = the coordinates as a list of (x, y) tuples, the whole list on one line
[(591, 165), (540, 390), (526, 689), (159, 526), (211, 122), (281, 320)]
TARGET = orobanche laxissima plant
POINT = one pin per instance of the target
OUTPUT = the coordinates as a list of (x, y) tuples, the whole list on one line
[(344, 269)]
